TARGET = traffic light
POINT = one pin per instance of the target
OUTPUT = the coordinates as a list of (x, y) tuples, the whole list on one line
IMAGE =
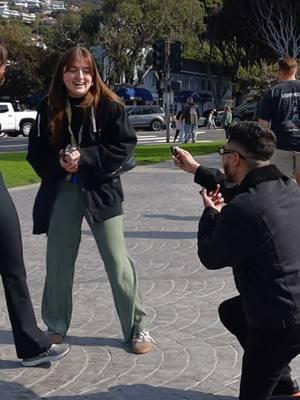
[(175, 56), (176, 85), (159, 57)]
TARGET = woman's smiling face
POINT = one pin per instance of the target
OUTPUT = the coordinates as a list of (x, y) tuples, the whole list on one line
[(78, 77)]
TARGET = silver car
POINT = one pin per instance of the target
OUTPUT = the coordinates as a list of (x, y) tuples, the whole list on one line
[(152, 117)]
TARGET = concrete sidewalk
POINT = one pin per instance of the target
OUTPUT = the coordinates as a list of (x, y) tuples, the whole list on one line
[(196, 359)]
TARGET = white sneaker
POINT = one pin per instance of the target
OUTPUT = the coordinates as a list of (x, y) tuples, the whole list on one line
[(54, 353), (142, 342)]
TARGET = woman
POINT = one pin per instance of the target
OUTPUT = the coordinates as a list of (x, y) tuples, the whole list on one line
[(226, 119), (32, 345), (179, 127), (78, 147), (211, 123)]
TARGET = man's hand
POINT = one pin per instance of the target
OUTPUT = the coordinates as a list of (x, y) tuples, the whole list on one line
[(185, 161), (213, 199)]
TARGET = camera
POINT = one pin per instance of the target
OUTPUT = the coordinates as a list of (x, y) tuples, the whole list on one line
[(174, 150)]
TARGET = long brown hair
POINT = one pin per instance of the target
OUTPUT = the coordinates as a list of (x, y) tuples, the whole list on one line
[(58, 93), (3, 61)]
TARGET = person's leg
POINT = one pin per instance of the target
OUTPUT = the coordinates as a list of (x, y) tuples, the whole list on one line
[(62, 248), (182, 135), (233, 318), (187, 132), (284, 161), (266, 357), (193, 131), (297, 166), (121, 273), (226, 131), (176, 135), (29, 339)]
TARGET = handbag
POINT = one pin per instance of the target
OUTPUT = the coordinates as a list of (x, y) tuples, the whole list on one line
[(128, 164)]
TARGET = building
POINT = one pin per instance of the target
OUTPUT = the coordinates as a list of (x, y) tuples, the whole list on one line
[(3, 5), (195, 82), (58, 5)]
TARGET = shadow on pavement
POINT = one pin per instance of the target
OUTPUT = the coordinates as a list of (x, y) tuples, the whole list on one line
[(12, 390), (173, 217), (161, 235), (154, 234)]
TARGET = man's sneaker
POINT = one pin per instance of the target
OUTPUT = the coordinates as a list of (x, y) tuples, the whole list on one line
[(285, 389), (55, 338), (142, 342), (54, 353)]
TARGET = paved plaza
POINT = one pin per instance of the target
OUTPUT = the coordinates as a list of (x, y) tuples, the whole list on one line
[(195, 358)]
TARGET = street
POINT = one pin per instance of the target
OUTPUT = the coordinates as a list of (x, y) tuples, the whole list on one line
[(14, 144)]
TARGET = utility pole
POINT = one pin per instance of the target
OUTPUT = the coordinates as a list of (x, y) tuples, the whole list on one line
[(167, 92), (167, 58)]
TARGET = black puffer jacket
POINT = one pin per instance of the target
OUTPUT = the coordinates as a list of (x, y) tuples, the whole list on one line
[(102, 153), (258, 233)]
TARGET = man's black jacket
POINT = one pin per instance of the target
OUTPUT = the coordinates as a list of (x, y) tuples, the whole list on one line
[(258, 234)]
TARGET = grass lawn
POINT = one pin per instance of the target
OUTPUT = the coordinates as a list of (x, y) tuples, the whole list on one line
[(17, 172)]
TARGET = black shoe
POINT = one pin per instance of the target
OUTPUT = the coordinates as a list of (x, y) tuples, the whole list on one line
[(54, 353), (286, 388)]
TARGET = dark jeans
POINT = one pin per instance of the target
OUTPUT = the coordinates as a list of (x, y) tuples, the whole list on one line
[(29, 339), (267, 354), (226, 131)]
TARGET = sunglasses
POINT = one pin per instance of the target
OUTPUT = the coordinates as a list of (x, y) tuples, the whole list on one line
[(223, 151)]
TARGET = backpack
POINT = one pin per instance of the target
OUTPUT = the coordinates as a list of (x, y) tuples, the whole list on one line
[(194, 115)]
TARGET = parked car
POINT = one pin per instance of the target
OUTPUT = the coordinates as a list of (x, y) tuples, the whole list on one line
[(152, 117), (245, 112), (14, 122)]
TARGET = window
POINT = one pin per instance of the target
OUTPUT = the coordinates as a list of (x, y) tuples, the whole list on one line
[(3, 108), (147, 111)]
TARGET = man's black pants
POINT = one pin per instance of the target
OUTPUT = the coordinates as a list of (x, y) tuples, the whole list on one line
[(267, 354), (29, 339)]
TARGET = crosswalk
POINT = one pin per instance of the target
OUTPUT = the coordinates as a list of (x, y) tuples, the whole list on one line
[(153, 139)]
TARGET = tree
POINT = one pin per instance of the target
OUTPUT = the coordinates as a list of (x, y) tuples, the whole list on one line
[(231, 43), (24, 58), (277, 21), (129, 27)]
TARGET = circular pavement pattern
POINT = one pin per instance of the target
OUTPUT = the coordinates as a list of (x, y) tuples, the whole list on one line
[(195, 357)]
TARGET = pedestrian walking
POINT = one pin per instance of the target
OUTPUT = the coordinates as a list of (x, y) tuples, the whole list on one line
[(78, 146), (280, 109), (211, 123), (32, 345), (257, 234), (179, 127), (226, 119)]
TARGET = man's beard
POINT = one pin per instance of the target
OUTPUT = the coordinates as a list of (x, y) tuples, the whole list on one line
[(228, 173)]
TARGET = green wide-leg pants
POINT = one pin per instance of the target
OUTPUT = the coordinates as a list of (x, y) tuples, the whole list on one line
[(64, 237)]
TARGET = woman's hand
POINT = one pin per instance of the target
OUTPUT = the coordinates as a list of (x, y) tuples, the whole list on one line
[(70, 161)]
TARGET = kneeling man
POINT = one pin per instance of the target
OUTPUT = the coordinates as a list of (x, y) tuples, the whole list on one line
[(258, 234)]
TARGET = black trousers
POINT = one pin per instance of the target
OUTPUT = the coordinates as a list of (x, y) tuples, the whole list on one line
[(267, 354), (29, 339)]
